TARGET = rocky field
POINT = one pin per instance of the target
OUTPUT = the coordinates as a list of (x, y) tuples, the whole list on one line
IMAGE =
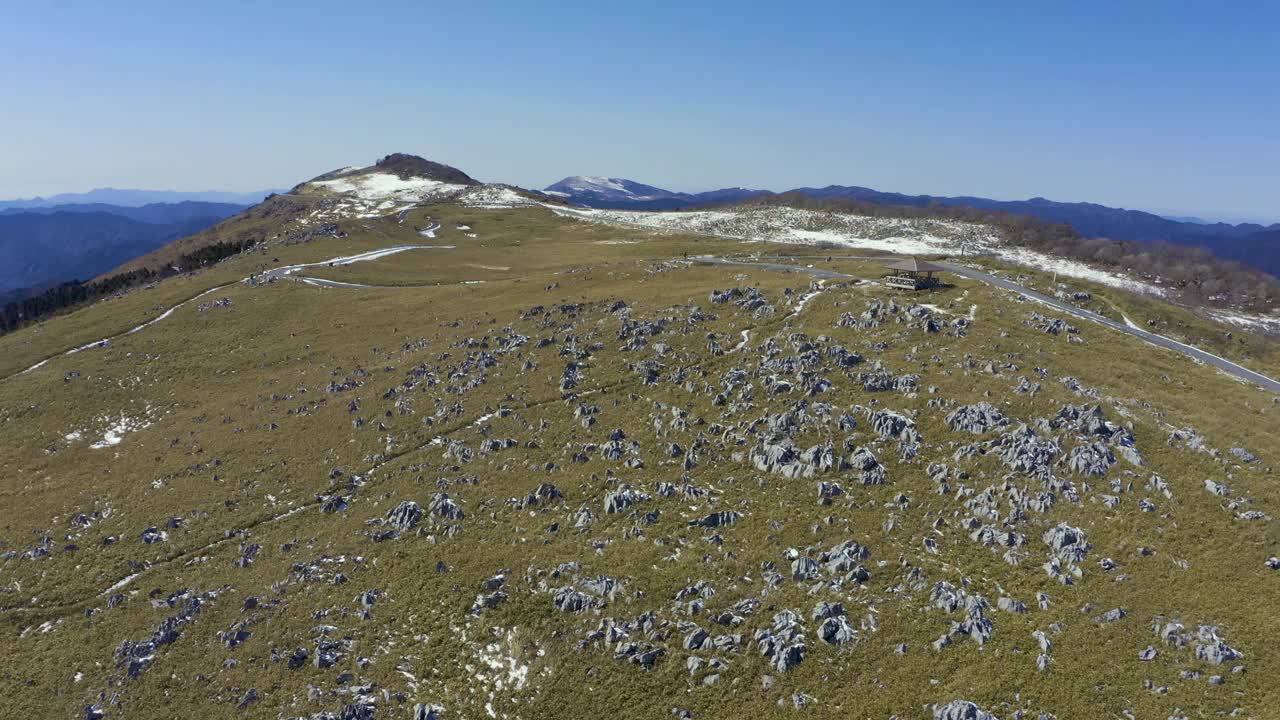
[(528, 466)]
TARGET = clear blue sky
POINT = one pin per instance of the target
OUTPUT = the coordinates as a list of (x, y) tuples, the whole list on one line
[(1170, 106)]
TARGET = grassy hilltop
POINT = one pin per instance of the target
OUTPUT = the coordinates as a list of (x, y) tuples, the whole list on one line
[(541, 473)]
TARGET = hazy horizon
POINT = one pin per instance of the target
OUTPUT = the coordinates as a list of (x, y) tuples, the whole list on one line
[(1167, 213), (1170, 112)]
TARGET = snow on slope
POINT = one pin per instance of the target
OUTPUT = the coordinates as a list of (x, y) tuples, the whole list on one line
[(843, 230), (607, 188), (493, 197), (370, 195), (792, 225), (597, 183), (1076, 269), (1252, 322), (385, 186)]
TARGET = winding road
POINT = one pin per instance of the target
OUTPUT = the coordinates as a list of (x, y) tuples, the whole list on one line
[(291, 271), (1237, 371), (265, 277)]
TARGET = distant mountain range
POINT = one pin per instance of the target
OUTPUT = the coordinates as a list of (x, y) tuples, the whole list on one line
[(1250, 243), (77, 236), (136, 198), (46, 246), (155, 213)]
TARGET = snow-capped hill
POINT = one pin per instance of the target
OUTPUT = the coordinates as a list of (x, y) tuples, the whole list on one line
[(395, 183), (607, 188), (829, 230), (384, 186), (411, 166), (396, 171), (399, 182), (496, 197), (622, 194)]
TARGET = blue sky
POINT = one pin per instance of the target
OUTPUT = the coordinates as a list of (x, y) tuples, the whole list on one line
[(1172, 107)]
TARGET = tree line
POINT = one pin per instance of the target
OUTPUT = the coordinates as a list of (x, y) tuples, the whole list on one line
[(1197, 272), (75, 293)]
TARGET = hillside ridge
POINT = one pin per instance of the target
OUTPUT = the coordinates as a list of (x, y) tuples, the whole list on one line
[(1249, 243)]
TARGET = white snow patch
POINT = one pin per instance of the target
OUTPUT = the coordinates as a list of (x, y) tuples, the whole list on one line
[(373, 195), (117, 430), (804, 299), (493, 197), (598, 181), (919, 245), (908, 236), (508, 672), (794, 225), (1076, 269), (1262, 323), (383, 186), (125, 581)]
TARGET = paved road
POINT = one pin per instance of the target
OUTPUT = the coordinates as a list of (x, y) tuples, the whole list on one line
[(287, 270), (820, 273), (1195, 353), (1237, 371)]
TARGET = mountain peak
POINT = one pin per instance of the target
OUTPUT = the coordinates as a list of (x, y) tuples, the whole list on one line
[(405, 166), (612, 192), (609, 189), (600, 183)]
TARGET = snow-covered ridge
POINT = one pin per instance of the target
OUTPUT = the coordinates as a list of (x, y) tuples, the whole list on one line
[(614, 189), (596, 182), (905, 236), (366, 195), (1076, 269), (385, 186), (1250, 321), (793, 225), (493, 197)]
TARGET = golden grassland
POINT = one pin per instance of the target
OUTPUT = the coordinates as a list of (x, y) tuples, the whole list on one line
[(240, 429)]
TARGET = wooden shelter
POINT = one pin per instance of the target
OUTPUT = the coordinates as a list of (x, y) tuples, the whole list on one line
[(912, 274)]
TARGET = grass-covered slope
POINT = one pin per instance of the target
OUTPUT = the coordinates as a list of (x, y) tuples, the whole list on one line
[(557, 471)]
